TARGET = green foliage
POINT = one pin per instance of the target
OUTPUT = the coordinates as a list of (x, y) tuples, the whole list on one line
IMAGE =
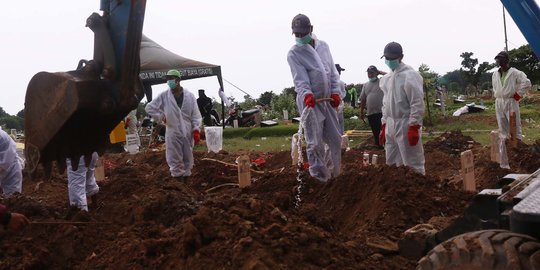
[(248, 133), (430, 77), (524, 59), (285, 101), (275, 131), (473, 76), (12, 121), (290, 91), (355, 124), (235, 132), (266, 98), (21, 114), (248, 103), (455, 82), (349, 112), (3, 113)]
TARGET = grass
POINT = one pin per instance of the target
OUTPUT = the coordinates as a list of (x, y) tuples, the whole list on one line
[(264, 144)]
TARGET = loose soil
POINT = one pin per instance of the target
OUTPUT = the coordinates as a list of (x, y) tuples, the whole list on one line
[(147, 220)]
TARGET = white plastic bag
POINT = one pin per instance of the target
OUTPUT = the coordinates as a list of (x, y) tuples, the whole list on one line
[(214, 138), (132, 143)]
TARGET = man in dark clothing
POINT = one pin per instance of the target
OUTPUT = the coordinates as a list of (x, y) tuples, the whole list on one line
[(205, 107), (371, 98)]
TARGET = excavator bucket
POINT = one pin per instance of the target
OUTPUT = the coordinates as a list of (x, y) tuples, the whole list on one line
[(70, 114), (72, 118)]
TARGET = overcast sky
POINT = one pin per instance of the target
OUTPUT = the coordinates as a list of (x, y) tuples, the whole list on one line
[(250, 39)]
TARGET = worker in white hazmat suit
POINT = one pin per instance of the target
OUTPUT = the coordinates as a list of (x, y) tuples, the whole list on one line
[(315, 77), (82, 182), (10, 168), (177, 108), (402, 112), (509, 86)]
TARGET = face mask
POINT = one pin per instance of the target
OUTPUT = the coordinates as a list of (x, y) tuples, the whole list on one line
[(171, 84), (392, 64), (373, 79), (304, 40)]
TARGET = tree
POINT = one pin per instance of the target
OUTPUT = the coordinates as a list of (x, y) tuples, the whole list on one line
[(524, 59), (21, 114), (266, 98), (472, 74), (455, 80), (430, 79), (248, 103), (289, 91), (285, 101), (3, 113), (12, 121)]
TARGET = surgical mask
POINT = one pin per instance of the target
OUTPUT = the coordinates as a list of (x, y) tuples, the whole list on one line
[(392, 64), (373, 79), (171, 84), (304, 40)]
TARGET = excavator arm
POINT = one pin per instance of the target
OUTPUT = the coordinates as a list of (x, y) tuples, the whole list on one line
[(526, 15), (70, 114)]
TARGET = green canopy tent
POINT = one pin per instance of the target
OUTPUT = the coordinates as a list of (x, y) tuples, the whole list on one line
[(156, 61)]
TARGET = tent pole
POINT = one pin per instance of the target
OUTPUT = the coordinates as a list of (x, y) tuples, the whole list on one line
[(220, 81)]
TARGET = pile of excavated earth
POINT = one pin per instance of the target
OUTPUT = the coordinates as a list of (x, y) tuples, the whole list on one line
[(145, 219)]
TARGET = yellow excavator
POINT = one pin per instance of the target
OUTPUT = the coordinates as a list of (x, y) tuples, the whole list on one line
[(70, 114)]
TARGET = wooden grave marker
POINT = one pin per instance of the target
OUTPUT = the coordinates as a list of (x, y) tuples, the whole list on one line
[(244, 171), (495, 153), (467, 171), (513, 130), (99, 171)]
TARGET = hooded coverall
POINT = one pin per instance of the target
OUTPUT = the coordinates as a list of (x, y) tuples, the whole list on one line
[(82, 182), (403, 106), (314, 72), (504, 87), (180, 122), (10, 168)]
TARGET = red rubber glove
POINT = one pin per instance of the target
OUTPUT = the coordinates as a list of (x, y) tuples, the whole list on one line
[(517, 97), (309, 100), (413, 135), (382, 136), (126, 125), (336, 100), (196, 136)]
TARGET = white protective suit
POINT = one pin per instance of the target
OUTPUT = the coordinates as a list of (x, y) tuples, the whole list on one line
[(10, 168), (180, 125), (132, 125), (313, 71), (82, 182), (515, 81), (403, 106)]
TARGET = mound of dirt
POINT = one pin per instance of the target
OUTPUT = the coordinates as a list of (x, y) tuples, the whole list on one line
[(451, 142), (146, 220), (525, 158)]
